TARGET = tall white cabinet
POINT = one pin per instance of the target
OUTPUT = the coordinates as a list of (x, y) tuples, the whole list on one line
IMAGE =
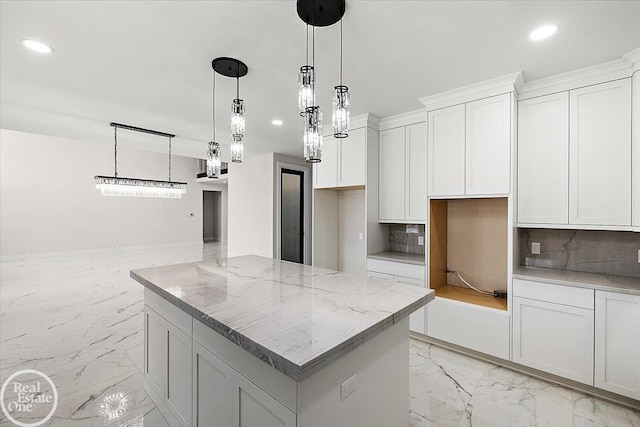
[(403, 175), (600, 150), (617, 361), (543, 159)]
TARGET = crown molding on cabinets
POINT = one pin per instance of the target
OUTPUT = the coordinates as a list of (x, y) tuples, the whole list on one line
[(366, 120), (634, 59), (609, 71), (404, 119), (509, 83)]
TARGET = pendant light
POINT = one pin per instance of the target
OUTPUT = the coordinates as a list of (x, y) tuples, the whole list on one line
[(213, 153), (135, 187), (312, 137), (306, 80), (231, 67), (341, 116), (319, 13)]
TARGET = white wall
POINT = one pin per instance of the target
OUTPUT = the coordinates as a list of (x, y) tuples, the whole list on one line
[(49, 203), (251, 194)]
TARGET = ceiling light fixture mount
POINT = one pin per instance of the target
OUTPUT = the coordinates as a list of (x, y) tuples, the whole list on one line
[(320, 13), (135, 187), (234, 68)]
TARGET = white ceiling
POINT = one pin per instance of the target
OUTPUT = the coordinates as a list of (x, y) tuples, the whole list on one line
[(147, 63)]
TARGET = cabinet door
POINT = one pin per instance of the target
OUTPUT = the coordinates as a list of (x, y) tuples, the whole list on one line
[(543, 159), (554, 338), (599, 153), (155, 351), (352, 159), (392, 174), (178, 387), (212, 390), (636, 149), (618, 343), (252, 407), (415, 208), (488, 145), (445, 151), (326, 171)]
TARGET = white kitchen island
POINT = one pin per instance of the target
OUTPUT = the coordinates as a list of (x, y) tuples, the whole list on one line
[(256, 342)]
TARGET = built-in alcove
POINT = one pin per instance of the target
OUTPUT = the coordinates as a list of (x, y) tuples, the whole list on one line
[(469, 236), (339, 229)]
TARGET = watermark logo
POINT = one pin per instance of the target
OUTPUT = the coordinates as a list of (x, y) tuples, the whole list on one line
[(28, 395)]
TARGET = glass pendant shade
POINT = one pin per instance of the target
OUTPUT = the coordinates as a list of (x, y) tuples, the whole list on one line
[(237, 149), (306, 78), (313, 135), (341, 116), (237, 118), (213, 160)]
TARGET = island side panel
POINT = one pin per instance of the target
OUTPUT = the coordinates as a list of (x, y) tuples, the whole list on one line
[(381, 395)]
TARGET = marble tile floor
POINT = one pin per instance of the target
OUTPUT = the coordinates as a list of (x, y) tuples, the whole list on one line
[(79, 319)]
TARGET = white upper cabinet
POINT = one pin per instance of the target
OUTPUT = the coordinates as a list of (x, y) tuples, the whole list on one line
[(392, 174), (343, 161), (416, 174), (636, 149), (326, 171), (403, 175), (599, 152), (353, 156), (488, 145), (543, 159), (445, 151)]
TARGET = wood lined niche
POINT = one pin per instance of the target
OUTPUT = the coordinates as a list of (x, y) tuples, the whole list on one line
[(469, 236)]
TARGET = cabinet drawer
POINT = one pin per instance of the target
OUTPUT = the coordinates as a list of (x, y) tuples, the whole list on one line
[(411, 271), (381, 276), (559, 294)]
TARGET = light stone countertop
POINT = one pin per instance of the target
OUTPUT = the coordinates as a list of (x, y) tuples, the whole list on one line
[(296, 318), (628, 285), (407, 258)]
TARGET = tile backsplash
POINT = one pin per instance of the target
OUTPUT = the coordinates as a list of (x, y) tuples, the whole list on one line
[(404, 238), (604, 252)]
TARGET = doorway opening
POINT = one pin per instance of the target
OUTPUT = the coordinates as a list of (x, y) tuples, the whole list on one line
[(211, 216), (292, 215)]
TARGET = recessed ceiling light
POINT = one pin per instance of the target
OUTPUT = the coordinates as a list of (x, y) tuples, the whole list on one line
[(277, 122), (543, 32), (37, 46)]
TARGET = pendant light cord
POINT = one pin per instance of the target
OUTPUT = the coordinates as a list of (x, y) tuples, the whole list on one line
[(313, 54), (307, 45), (115, 151), (213, 107), (169, 159), (340, 51)]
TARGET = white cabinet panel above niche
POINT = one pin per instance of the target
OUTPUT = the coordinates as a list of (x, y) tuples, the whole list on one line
[(343, 161)]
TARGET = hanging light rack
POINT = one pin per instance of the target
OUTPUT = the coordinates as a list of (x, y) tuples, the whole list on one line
[(136, 187)]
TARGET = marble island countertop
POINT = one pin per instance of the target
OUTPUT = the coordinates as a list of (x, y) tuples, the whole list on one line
[(629, 285), (407, 258), (297, 318)]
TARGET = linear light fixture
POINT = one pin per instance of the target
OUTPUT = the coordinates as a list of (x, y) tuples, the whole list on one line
[(135, 187)]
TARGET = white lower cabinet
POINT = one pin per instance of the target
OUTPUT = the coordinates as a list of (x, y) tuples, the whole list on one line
[(617, 334), (167, 367), (554, 338), (212, 389), (252, 407), (398, 272)]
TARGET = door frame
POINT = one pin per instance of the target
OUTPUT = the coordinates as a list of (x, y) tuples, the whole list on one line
[(306, 182)]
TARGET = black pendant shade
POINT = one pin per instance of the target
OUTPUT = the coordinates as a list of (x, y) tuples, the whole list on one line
[(320, 13)]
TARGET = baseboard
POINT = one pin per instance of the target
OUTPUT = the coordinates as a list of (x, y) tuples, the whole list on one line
[(41, 255), (582, 388)]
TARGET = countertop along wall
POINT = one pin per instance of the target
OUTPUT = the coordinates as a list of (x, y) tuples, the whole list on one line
[(49, 203)]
